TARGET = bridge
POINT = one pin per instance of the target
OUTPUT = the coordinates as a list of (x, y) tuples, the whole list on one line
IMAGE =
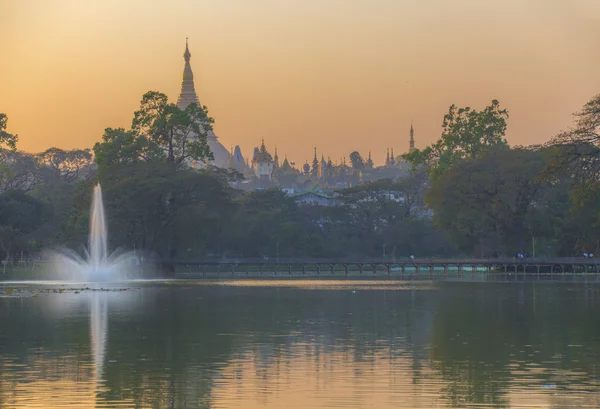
[(405, 268)]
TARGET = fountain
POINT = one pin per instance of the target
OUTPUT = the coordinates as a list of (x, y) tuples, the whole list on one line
[(96, 264)]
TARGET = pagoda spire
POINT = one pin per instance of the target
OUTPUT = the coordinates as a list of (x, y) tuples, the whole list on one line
[(187, 95), (369, 161), (411, 146)]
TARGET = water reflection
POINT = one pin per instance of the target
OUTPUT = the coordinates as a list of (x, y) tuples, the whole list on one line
[(303, 344), (98, 330)]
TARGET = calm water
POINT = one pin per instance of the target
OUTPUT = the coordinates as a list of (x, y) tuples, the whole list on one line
[(301, 344)]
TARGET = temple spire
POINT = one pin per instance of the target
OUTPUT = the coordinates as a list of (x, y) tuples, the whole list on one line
[(411, 146), (187, 95)]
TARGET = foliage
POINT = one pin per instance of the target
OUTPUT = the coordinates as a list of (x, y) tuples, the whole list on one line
[(578, 149), (180, 134), (466, 134), (69, 165), (165, 210), (357, 161), (487, 205), (20, 216), (159, 131), (119, 146), (7, 140)]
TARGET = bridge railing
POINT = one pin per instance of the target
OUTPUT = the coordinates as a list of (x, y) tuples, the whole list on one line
[(421, 261)]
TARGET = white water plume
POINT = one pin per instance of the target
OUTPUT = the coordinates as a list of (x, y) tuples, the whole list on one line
[(96, 264)]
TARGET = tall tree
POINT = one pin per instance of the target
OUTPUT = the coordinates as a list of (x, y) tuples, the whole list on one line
[(579, 148), (484, 204), (159, 131), (165, 210), (69, 165), (21, 171), (7, 140), (119, 146), (21, 215), (357, 161), (180, 134), (466, 134)]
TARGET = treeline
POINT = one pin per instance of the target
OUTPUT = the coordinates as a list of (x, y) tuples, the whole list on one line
[(469, 194)]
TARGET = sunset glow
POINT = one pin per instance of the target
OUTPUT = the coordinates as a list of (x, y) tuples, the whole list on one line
[(341, 75)]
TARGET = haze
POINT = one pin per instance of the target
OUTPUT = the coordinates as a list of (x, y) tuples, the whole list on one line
[(342, 75)]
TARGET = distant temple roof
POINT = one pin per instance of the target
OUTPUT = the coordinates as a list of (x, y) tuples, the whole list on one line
[(262, 155)]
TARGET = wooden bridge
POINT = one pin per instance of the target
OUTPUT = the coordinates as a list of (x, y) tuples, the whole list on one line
[(418, 268)]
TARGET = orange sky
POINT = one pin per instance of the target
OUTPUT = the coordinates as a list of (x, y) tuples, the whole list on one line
[(343, 75)]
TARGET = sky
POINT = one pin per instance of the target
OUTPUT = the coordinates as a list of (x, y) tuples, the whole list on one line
[(341, 75)]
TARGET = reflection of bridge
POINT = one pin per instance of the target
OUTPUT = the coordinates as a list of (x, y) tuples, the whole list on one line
[(407, 268)]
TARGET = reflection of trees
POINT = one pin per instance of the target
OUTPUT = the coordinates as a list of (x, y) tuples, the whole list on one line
[(482, 334), (169, 346), (179, 338)]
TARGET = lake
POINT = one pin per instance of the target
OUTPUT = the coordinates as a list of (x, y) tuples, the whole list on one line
[(300, 344)]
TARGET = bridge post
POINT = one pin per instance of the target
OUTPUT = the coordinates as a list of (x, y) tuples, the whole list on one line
[(317, 265), (289, 269), (389, 269), (262, 269), (418, 270), (460, 269), (431, 271), (538, 271), (402, 270), (360, 268), (346, 269), (374, 265), (303, 268), (332, 267), (247, 272), (445, 270), (203, 270)]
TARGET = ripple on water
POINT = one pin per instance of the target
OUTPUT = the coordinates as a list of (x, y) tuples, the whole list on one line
[(256, 345)]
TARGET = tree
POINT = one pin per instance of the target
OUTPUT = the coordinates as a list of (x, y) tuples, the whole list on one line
[(484, 204), (306, 168), (180, 134), (70, 165), (357, 161), (160, 132), (7, 140), (262, 224), (579, 147), (164, 210), (21, 215), (386, 217), (21, 171), (119, 146), (466, 134)]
